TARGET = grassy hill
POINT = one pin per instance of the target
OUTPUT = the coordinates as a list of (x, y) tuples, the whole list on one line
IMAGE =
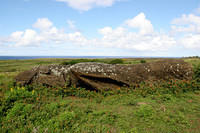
[(162, 107)]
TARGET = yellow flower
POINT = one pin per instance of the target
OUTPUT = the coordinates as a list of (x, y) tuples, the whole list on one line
[(23, 88), (11, 89), (18, 88), (33, 91)]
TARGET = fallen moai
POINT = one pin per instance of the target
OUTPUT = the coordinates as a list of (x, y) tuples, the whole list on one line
[(105, 76)]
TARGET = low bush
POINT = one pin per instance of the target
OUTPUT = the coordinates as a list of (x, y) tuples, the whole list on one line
[(16, 95), (116, 61), (174, 87), (75, 61), (142, 61)]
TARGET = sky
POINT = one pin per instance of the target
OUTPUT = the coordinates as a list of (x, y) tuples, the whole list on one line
[(163, 28)]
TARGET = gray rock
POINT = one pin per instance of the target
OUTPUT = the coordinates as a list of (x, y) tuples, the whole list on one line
[(103, 76)]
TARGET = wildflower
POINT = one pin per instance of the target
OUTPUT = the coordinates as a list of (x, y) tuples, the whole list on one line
[(11, 89), (33, 91), (18, 88), (23, 88)]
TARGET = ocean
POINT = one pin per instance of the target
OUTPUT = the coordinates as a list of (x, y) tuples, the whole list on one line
[(70, 57)]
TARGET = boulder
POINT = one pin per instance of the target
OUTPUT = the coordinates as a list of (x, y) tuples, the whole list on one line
[(97, 76)]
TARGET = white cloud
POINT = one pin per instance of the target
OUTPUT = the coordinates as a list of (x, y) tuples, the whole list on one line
[(78, 38), (191, 41), (188, 27), (43, 24), (178, 29), (187, 23), (197, 11), (85, 5), (28, 37), (72, 25), (47, 34), (140, 22), (105, 30), (121, 38), (17, 35), (187, 19), (146, 39)]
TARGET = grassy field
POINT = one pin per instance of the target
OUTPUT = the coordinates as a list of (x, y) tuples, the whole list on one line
[(163, 107)]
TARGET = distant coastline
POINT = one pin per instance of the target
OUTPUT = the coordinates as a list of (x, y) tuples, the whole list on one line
[(71, 57)]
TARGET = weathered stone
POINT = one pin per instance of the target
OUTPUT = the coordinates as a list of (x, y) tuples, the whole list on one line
[(100, 76), (26, 77)]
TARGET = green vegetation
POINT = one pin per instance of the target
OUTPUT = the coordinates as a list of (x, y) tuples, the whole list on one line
[(116, 61), (75, 61), (197, 71), (142, 61), (162, 107)]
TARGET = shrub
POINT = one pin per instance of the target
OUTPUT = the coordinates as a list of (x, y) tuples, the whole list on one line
[(75, 61), (142, 61), (16, 119), (16, 95), (116, 61), (64, 121), (174, 87)]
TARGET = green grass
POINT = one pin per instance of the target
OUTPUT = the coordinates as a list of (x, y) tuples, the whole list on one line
[(165, 107)]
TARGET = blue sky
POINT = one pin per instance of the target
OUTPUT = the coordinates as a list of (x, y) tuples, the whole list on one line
[(100, 27)]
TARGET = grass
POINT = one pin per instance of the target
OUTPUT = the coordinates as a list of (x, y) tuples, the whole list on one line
[(163, 107)]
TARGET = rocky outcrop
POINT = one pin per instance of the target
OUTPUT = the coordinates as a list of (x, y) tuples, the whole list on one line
[(103, 76)]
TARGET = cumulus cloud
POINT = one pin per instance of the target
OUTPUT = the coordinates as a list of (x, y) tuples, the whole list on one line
[(72, 25), (187, 23), (188, 27), (140, 22), (145, 39), (197, 11), (43, 24), (191, 41), (25, 38), (85, 5), (47, 33), (121, 38)]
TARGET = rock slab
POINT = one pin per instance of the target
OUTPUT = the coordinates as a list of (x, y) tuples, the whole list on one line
[(98, 76)]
